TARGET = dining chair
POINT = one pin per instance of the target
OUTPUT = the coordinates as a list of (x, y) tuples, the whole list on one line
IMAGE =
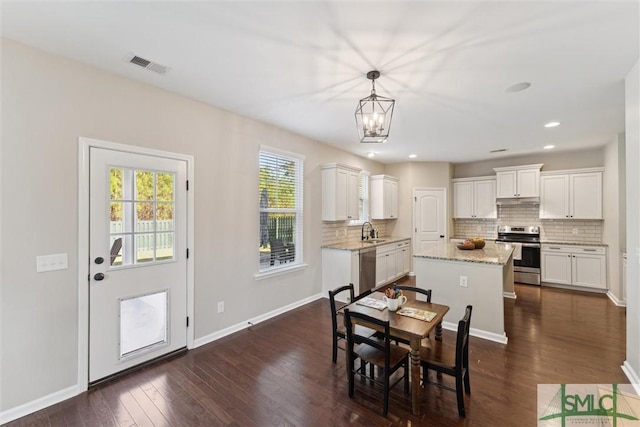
[(381, 353), (338, 329), (455, 362), (425, 292)]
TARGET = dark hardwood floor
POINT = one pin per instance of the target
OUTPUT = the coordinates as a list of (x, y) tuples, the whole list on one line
[(279, 373)]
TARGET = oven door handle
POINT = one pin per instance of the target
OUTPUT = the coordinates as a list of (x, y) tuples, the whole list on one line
[(530, 245)]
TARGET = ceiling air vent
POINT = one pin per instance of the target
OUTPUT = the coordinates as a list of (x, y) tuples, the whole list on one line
[(145, 63)]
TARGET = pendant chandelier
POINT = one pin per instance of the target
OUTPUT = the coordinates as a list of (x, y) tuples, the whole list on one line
[(373, 114)]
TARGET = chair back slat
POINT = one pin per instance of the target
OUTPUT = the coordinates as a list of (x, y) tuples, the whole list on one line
[(425, 292)]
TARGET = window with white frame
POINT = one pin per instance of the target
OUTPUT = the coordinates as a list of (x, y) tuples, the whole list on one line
[(280, 209)]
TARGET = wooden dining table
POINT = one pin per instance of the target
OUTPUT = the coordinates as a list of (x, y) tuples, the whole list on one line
[(410, 329)]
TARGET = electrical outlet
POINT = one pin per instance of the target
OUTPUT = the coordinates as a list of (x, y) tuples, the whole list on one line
[(220, 306), (479, 228), (463, 281), (344, 232), (574, 231), (337, 233)]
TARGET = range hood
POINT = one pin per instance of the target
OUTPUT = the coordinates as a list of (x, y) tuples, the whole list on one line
[(513, 201)]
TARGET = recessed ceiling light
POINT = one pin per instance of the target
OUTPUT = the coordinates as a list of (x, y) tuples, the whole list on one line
[(413, 156), (372, 154), (552, 124), (518, 87), (549, 147)]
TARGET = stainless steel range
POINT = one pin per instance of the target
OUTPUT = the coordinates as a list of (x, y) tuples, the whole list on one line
[(526, 263)]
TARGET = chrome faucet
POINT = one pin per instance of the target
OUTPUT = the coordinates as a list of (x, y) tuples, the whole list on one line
[(366, 236)]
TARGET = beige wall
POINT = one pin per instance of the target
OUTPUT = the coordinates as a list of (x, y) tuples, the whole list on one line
[(632, 144), (552, 160), (611, 225), (412, 175), (48, 102)]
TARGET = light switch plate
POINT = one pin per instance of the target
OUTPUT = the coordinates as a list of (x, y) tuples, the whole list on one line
[(51, 262)]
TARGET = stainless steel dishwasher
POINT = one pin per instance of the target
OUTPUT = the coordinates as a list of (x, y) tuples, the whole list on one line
[(367, 269)]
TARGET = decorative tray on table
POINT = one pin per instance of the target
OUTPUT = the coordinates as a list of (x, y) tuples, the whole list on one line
[(417, 313), (372, 302)]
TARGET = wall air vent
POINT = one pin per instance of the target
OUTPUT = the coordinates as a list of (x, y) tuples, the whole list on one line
[(149, 65)]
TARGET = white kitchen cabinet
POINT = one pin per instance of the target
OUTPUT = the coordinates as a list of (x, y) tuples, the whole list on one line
[(571, 194), (474, 198), (340, 199), (384, 197), (403, 258), (385, 264), (584, 266), (393, 261), (340, 267), (518, 181)]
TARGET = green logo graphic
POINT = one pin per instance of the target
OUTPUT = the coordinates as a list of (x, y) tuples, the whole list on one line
[(589, 407)]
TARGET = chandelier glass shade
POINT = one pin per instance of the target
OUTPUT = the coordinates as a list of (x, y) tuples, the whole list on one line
[(374, 114)]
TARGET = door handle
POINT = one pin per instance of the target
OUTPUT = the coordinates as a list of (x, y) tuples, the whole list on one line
[(99, 260), (442, 236), (99, 276)]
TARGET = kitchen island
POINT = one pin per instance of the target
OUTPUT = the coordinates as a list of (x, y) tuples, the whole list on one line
[(480, 277)]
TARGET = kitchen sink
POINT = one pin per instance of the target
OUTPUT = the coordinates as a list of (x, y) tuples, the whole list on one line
[(372, 241)]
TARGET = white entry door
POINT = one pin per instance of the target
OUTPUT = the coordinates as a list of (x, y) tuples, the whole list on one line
[(138, 266), (429, 217)]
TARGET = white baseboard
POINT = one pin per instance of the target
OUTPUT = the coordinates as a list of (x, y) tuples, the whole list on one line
[(634, 379), (38, 404), (485, 335), (510, 295), (253, 321), (615, 300)]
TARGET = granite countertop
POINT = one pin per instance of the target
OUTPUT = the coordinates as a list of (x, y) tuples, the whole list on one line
[(357, 244), (552, 242), (492, 253), (564, 242)]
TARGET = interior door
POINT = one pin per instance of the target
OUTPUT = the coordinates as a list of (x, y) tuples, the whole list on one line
[(138, 266), (430, 218)]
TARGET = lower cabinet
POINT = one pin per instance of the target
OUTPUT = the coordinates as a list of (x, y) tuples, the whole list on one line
[(340, 267), (392, 261), (574, 265)]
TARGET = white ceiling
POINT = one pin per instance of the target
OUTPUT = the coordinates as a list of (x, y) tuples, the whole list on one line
[(301, 65)]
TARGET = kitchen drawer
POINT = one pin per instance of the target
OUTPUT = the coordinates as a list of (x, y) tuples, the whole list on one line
[(598, 250)]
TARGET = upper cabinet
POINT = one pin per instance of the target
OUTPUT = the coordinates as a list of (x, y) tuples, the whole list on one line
[(518, 181), (474, 197), (575, 194), (384, 197), (340, 192)]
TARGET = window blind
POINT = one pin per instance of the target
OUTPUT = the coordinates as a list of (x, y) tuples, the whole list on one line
[(280, 199)]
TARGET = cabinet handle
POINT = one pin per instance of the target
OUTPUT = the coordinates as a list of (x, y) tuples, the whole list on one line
[(553, 247), (589, 250)]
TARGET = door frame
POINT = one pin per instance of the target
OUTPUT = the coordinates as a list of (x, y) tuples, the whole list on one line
[(84, 146), (447, 220)]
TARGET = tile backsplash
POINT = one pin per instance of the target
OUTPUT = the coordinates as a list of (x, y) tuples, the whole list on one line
[(550, 229), (341, 232)]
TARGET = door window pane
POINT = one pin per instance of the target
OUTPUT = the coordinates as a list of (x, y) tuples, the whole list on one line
[(164, 246), (143, 322), (141, 216), (145, 244), (144, 185), (164, 187)]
